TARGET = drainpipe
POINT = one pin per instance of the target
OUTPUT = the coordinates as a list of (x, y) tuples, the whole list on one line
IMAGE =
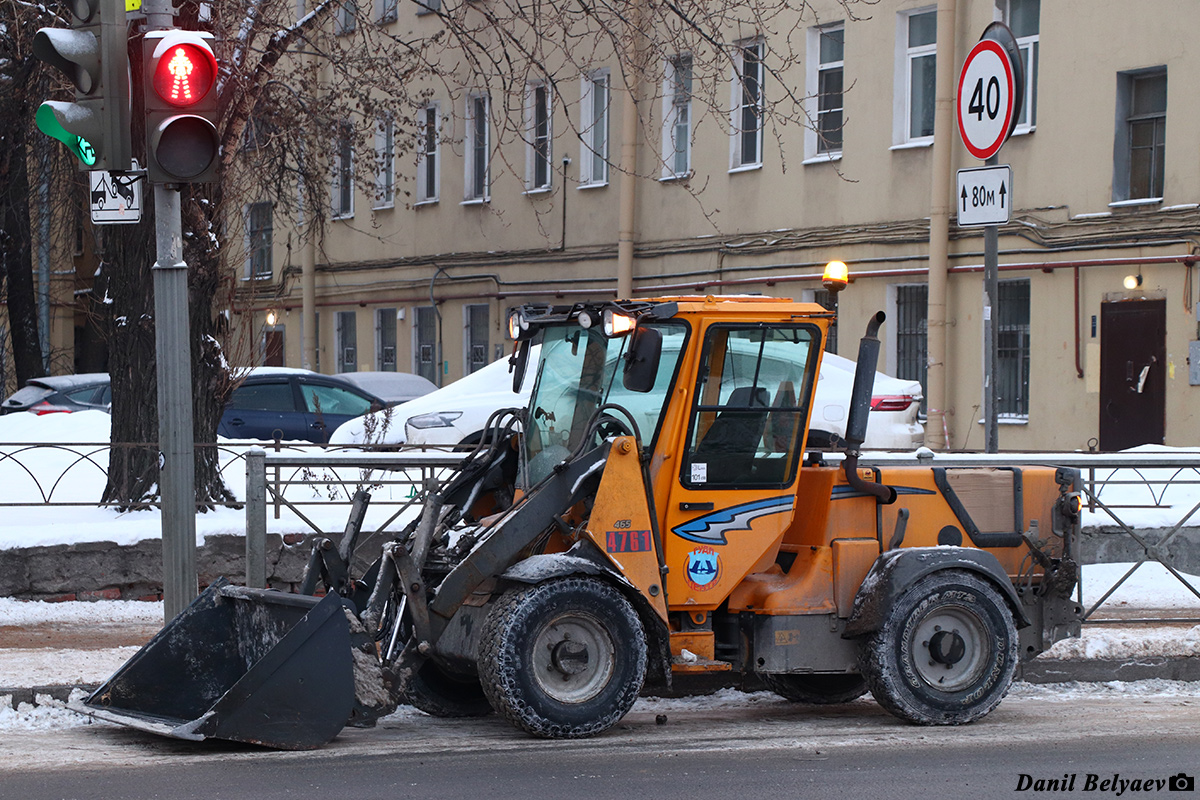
[(937, 430), (627, 216), (308, 299)]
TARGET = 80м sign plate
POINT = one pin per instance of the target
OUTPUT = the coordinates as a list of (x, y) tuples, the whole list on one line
[(984, 196)]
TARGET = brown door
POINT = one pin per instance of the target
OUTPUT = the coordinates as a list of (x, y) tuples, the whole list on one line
[(1133, 370), (273, 349)]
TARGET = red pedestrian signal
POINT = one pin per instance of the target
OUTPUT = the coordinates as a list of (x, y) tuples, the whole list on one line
[(180, 93)]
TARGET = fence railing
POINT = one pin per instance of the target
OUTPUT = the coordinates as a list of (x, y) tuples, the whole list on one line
[(1149, 501)]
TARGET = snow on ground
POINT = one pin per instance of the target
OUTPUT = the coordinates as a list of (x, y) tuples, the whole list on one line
[(63, 459), (35, 612)]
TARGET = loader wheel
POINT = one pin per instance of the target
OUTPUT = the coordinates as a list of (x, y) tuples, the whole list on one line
[(563, 659), (443, 694), (816, 689), (946, 652)]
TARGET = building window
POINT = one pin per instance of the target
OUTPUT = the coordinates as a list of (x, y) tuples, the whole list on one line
[(386, 11), (428, 7), (1022, 16), (1140, 148), (385, 339), (828, 301), (477, 145), (476, 356), (385, 173), (677, 118), (825, 90), (912, 325), (343, 173), (918, 71), (593, 155), (259, 235), (429, 165), (537, 137), (347, 14), (1012, 345), (425, 344), (748, 106), (347, 341)]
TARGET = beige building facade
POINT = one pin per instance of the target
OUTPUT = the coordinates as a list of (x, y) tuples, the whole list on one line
[(1106, 186)]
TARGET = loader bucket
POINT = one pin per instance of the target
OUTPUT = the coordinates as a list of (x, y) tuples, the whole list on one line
[(249, 665)]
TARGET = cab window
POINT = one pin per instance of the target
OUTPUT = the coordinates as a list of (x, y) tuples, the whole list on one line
[(751, 405)]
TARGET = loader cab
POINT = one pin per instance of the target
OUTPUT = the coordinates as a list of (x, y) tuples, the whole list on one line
[(579, 371)]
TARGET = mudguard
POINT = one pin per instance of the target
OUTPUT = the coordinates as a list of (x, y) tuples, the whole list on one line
[(896, 571)]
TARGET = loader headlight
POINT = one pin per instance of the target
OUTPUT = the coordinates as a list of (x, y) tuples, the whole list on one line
[(438, 419), (518, 326), (617, 324)]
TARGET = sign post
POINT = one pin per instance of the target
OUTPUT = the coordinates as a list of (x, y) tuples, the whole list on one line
[(991, 89)]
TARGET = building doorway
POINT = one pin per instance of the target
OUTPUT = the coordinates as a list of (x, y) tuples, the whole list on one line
[(1133, 369)]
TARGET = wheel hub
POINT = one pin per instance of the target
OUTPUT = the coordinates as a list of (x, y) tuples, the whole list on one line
[(569, 658), (950, 648), (574, 657)]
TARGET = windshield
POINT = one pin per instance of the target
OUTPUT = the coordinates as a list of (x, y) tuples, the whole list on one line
[(579, 371)]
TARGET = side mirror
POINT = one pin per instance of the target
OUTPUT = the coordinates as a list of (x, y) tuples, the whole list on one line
[(641, 362), (517, 363)]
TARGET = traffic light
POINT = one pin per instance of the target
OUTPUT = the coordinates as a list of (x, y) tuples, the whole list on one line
[(179, 87), (94, 54)]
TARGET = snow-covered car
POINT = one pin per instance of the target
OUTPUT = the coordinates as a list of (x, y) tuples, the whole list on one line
[(392, 388), (61, 394), (456, 414)]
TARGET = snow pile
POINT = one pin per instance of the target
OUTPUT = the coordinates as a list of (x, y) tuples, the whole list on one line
[(1076, 690), (1176, 489), (1144, 641), (47, 715), (34, 612), (26, 667), (1150, 586)]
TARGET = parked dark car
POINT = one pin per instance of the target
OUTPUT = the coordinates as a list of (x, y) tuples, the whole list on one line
[(293, 405), (393, 388), (61, 393)]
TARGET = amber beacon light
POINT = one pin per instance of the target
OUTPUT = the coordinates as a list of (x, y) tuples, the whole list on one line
[(180, 93)]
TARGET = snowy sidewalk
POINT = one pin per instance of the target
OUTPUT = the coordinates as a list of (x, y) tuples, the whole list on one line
[(49, 648)]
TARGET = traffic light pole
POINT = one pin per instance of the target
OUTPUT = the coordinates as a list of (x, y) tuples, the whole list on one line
[(177, 473)]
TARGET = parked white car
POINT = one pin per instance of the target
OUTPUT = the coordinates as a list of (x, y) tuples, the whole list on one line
[(457, 413)]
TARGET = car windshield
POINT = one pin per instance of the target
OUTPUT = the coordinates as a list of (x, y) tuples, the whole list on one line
[(579, 371)]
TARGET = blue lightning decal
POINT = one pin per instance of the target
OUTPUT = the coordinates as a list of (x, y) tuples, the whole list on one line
[(711, 528)]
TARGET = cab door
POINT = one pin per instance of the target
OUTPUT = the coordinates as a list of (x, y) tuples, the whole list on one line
[(735, 491)]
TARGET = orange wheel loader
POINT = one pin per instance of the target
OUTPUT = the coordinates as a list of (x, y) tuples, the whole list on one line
[(651, 514)]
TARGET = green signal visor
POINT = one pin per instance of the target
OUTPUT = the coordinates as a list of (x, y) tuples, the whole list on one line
[(49, 124)]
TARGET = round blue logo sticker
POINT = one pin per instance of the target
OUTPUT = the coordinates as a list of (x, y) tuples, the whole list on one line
[(703, 568)]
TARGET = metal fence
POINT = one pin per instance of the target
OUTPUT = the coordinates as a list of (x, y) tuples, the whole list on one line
[(1121, 492)]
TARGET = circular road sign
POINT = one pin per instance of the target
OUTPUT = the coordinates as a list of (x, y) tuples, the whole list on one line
[(987, 91)]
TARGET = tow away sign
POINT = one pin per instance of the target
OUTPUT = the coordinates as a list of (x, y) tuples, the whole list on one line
[(984, 196)]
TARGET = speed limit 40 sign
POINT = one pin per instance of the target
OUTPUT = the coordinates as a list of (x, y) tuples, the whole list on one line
[(990, 91)]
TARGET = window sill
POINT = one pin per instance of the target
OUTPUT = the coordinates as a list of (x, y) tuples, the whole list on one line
[(384, 206), (1144, 201), (340, 217), (1010, 420), (537, 191), (597, 185), (433, 201), (676, 177), (1024, 131), (745, 168), (258, 278), (823, 158), (474, 201), (913, 145)]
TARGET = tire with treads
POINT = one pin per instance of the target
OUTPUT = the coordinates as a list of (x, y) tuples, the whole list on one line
[(946, 652), (443, 694), (816, 689), (563, 659)]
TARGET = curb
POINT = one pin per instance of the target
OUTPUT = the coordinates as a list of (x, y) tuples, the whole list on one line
[(1177, 668)]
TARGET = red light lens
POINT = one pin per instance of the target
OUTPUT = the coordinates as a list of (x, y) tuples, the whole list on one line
[(891, 402), (184, 74)]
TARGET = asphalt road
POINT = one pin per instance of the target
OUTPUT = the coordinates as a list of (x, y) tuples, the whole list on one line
[(747, 749)]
